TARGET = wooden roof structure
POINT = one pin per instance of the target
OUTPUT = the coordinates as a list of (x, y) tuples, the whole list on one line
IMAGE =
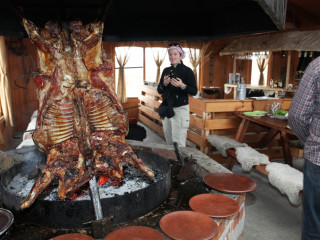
[(301, 33), (294, 40)]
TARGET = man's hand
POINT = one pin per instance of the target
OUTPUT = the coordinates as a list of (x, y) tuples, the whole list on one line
[(177, 82), (166, 80)]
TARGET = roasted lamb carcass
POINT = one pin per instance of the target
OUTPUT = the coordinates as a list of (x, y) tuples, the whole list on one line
[(81, 125), (108, 122)]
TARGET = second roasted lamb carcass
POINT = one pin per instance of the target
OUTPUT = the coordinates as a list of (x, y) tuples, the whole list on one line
[(81, 125)]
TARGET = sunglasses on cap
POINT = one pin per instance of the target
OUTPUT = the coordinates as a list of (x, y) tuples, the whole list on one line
[(175, 45)]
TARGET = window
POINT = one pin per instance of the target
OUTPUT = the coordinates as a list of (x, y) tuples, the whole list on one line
[(255, 72), (133, 71), (151, 67)]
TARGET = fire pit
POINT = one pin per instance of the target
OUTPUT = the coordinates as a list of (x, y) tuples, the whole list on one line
[(124, 205)]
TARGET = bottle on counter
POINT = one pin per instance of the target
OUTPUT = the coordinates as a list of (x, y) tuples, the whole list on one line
[(280, 84), (271, 82), (241, 90), (275, 84)]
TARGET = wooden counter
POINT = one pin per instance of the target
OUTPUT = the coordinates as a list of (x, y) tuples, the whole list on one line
[(212, 116), (255, 87)]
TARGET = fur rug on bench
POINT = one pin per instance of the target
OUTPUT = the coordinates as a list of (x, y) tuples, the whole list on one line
[(249, 157), (287, 179), (222, 143)]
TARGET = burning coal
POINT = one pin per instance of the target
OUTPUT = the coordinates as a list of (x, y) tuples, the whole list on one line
[(132, 181)]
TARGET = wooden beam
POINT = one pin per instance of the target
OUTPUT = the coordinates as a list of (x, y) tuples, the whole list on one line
[(288, 69)]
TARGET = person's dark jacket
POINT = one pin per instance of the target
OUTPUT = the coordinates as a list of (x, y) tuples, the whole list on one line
[(176, 95)]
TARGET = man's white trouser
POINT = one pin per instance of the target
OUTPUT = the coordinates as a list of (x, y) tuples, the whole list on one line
[(175, 128)]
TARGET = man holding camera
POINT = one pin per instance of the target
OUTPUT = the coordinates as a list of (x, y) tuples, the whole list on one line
[(176, 83)]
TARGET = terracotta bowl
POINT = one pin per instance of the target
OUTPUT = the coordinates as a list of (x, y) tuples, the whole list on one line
[(73, 236), (230, 182), (188, 225), (134, 233), (214, 205)]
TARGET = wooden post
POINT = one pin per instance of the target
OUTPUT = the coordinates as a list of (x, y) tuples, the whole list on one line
[(205, 133), (144, 64), (288, 69)]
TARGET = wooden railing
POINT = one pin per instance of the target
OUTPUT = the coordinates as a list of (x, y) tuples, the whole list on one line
[(150, 101)]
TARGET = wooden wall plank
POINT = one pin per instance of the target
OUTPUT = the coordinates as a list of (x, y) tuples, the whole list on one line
[(22, 60), (220, 124), (229, 106), (132, 104), (196, 106), (150, 112), (150, 90), (197, 139), (196, 122), (232, 131), (149, 101)]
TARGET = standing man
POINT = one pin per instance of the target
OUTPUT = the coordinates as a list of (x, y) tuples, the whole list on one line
[(304, 119)]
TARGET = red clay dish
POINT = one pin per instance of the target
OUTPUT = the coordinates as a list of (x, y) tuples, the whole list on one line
[(230, 182), (73, 236), (214, 205), (134, 233), (188, 225)]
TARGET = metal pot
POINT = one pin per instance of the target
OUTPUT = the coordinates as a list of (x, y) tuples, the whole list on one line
[(6, 221)]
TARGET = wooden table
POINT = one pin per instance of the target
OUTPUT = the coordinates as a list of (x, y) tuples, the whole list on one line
[(275, 126)]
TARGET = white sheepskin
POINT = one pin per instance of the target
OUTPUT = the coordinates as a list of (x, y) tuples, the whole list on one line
[(222, 143), (288, 180), (249, 157)]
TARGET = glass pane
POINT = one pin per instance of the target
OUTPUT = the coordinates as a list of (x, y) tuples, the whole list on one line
[(151, 67), (133, 70), (134, 80), (255, 73)]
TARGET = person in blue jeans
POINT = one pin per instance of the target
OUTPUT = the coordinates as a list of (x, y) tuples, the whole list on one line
[(304, 119)]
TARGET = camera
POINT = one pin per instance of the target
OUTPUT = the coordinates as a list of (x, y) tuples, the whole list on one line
[(172, 74)]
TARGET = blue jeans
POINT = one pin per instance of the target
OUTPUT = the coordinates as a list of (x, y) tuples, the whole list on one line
[(311, 201)]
